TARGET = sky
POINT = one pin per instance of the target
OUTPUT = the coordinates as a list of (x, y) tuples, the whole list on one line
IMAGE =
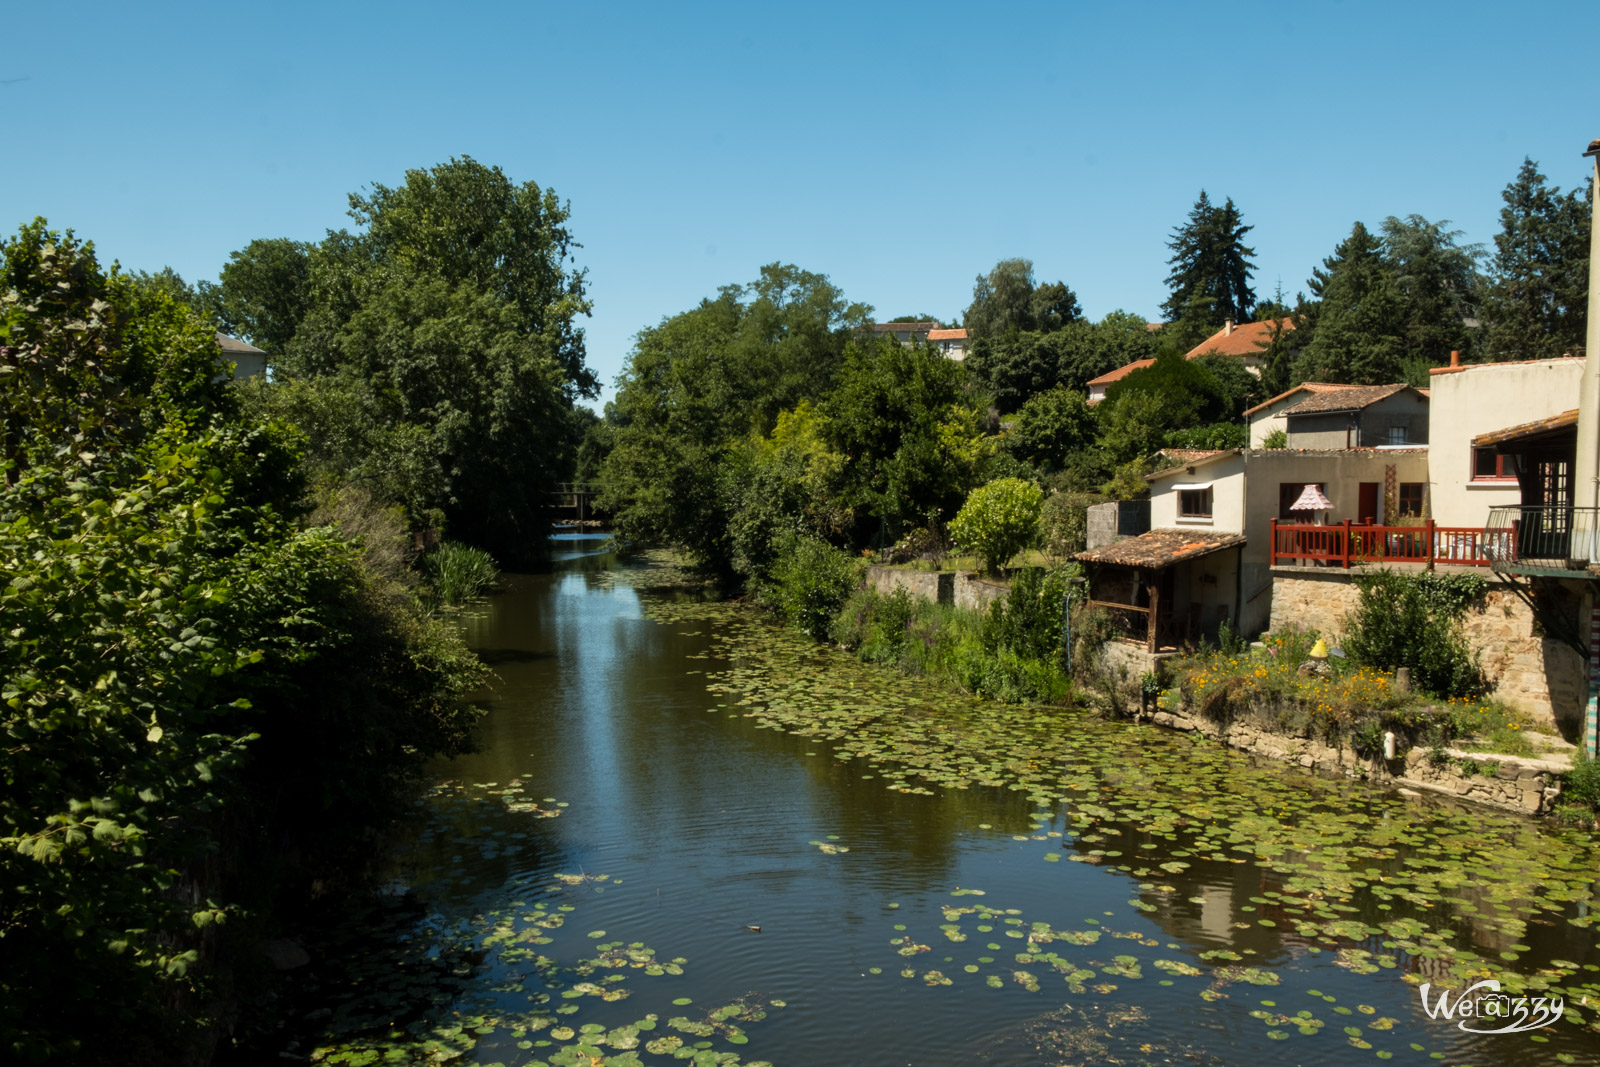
[(899, 149)]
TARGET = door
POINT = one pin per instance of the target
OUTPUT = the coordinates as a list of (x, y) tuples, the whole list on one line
[(1367, 512)]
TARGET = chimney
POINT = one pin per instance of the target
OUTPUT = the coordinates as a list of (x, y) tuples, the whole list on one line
[(1227, 328), (1455, 358)]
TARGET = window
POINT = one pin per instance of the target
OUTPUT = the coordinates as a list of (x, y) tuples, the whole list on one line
[(1490, 466), (1410, 503), (1194, 503), (1399, 435)]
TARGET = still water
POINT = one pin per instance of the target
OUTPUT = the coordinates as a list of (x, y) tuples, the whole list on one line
[(688, 828)]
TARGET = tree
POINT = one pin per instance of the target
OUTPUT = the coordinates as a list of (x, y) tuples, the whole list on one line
[(1437, 281), (1536, 303), (453, 309), (1008, 300), (1050, 428), (1210, 261), (1087, 350), (1140, 410), (1357, 335), (998, 520), (264, 293)]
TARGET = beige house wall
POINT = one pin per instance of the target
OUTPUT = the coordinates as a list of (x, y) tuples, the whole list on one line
[(1271, 418), (1367, 428), (1226, 475), (1480, 399)]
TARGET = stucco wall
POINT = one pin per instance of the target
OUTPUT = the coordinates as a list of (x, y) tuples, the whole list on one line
[(1536, 674), (1480, 399), (1226, 475), (1367, 428)]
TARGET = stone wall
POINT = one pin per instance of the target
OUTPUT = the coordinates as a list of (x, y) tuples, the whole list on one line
[(1529, 786), (1533, 673), (937, 586), (973, 593)]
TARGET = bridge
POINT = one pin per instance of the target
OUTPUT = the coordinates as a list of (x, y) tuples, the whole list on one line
[(573, 502)]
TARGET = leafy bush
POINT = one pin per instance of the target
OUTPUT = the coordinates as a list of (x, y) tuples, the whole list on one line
[(1580, 790), (458, 572), (1276, 439), (1064, 524), (1217, 436), (1407, 620), (811, 581), (998, 520)]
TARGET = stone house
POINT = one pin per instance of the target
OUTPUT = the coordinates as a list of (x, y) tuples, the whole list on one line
[(952, 343)]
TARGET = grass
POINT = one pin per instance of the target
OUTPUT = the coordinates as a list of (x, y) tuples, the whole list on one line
[(456, 573)]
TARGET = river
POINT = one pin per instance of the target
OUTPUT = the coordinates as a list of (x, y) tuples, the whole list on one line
[(685, 826)]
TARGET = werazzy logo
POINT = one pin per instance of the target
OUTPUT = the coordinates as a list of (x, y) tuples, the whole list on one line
[(1482, 1009)]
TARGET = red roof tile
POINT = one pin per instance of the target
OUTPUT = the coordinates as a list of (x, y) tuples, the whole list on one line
[(947, 335), (1247, 339), (1121, 372), (1308, 387)]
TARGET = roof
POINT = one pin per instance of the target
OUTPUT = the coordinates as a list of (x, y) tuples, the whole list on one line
[(236, 346), (1504, 363), (1246, 339), (1311, 498), (947, 335), (1307, 387), (1152, 327), (1525, 430), (1189, 455), (1121, 372), (1161, 548), (1350, 398), (1199, 457)]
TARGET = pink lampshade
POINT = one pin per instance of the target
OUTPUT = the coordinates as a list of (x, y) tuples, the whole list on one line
[(1311, 499)]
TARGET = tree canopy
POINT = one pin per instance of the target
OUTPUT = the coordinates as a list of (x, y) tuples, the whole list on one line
[(1211, 266), (1536, 302), (1009, 300)]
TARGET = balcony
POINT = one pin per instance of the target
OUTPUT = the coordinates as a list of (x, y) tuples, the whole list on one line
[(1353, 544), (1544, 539)]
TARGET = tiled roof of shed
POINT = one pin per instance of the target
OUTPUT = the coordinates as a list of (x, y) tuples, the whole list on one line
[(1306, 387), (947, 335), (1527, 429), (1161, 548)]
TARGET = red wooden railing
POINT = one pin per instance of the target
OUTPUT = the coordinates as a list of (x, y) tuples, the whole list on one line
[(1352, 542)]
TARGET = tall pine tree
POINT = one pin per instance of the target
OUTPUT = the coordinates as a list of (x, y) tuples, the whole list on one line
[(1437, 282), (1358, 333), (1210, 262), (1536, 302)]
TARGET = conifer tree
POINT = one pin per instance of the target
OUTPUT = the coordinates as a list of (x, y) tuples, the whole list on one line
[(1437, 282), (1535, 305), (1357, 335), (1210, 261)]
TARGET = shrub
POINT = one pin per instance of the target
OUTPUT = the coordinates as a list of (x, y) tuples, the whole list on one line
[(458, 572), (1405, 620), (998, 520), (1276, 439), (1064, 524), (810, 582)]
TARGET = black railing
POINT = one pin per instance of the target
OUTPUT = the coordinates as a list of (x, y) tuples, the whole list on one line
[(1551, 536)]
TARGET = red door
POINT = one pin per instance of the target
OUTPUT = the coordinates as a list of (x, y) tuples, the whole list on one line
[(1368, 511)]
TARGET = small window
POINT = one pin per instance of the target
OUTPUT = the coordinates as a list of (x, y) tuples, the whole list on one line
[(1399, 435), (1489, 466), (1411, 500), (1194, 503)]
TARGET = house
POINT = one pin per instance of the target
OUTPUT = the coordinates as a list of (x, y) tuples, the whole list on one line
[(1244, 342), (1098, 386), (248, 360), (1359, 416), (907, 333), (1473, 406), (1266, 416), (953, 343)]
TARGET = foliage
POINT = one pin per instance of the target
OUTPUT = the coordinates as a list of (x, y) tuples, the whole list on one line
[(1278, 438), (1064, 524), (1140, 410), (264, 293), (1008, 300), (998, 520), (1413, 620), (1438, 285), (1536, 303), (1211, 264), (1580, 790), (1217, 436), (810, 581), (217, 706), (1358, 334), (1050, 428), (457, 573), (1128, 482)]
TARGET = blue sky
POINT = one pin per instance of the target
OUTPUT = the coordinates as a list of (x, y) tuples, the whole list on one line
[(900, 149)]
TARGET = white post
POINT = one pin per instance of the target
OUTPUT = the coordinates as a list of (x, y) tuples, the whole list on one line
[(1586, 468)]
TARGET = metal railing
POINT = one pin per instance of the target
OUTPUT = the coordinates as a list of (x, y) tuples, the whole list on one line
[(1352, 543), (1553, 536)]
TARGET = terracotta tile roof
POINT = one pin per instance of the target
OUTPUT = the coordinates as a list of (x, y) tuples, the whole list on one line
[(1247, 339), (1527, 429), (1121, 372), (947, 335), (1307, 387), (1161, 548), (1152, 327), (1200, 456), (1349, 398), (1505, 363), (1189, 455), (233, 344)]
